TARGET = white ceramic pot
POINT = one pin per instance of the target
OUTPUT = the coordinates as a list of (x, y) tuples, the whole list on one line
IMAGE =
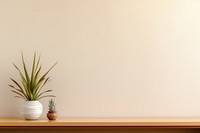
[(32, 110)]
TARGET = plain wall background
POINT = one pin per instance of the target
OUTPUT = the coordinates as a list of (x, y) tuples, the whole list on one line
[(116, 58)]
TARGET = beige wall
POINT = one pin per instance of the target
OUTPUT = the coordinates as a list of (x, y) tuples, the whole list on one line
[(117, 58)]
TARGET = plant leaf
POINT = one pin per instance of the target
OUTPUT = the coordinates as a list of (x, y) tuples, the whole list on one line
[(27, 90), (39, 89), (25, 71), (46, 96), (43, 93), (33, 74), (18, 93), (43, 77), (37, 85), (18, 90), (16, 83), (31, 85), (38, 62), (21, 75), (21, 97), (22, 91)]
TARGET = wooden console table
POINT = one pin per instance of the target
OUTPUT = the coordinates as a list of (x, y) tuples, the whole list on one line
[(67, 123)]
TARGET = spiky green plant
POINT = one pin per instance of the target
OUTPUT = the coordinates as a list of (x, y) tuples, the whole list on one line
[(52, 106), (31, 86)]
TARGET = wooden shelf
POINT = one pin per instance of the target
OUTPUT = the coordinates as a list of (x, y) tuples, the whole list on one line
[(104, 122)]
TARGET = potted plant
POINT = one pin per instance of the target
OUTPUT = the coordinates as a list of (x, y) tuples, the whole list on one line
[(52, 114), (30, 88)]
